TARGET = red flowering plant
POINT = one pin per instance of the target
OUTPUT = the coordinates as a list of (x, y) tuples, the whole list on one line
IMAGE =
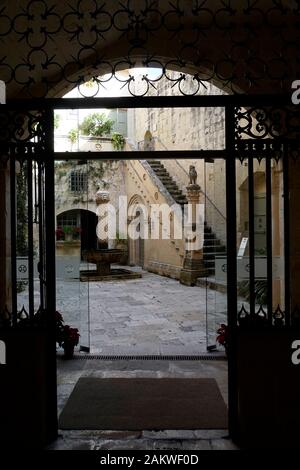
[(60, 234), (222, 337), (76, 232), (65, 334), (70, 336)]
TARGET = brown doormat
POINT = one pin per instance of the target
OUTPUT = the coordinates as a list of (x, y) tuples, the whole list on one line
[(144, 403)]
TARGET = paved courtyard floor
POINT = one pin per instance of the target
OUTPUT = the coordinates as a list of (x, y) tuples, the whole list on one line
[(154, 315), (70, 371)]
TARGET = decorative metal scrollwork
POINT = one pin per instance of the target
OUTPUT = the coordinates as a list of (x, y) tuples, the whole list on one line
[(267, 123), (22, 126), (59, 43), (256, 320), (23, 318), (258, 149)]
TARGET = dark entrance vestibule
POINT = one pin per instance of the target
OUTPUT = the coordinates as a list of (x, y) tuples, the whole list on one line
[(54, 49)]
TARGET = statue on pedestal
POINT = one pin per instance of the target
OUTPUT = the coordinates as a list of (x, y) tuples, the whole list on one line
[(193, 175)]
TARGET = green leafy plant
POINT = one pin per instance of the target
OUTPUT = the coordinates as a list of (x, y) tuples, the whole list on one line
[(73, 136), (56, 121), (67, 229), (118, 141), (96, 125), (22, 212), (260, 291)]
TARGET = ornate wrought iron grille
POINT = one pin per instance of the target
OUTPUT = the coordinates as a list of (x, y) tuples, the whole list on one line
[(245, 46), (25, 145), (254, 136)]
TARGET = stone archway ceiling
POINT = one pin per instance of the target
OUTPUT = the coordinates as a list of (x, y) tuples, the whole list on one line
[(47, 47)]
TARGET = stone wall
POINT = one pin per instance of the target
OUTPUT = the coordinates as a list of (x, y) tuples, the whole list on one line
[(163, 257), (104, 175), (187, 129)]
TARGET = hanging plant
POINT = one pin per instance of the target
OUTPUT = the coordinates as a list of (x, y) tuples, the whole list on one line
[(118, 141)]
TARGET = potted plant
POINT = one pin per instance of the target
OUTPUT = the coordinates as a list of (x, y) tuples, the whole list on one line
[(70, 339), (66, 336), (118, 141), (68, 231), (60, 234), (76, 233), (222, 337)]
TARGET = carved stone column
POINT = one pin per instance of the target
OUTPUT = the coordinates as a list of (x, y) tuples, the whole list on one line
[(193, 264), (102, 200)]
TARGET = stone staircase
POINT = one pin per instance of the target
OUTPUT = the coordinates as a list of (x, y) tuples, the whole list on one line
[(168, 181), (212, 246)]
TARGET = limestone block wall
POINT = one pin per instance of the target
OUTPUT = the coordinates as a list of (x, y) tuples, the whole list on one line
[(104, 175), (83, 144), (163, 257), (187, 129)]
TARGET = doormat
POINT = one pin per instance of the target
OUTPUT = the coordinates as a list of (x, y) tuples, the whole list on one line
[(144, 404)]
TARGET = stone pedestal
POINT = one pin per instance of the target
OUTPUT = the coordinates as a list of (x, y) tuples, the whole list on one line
[(193, 264), (102, 200)]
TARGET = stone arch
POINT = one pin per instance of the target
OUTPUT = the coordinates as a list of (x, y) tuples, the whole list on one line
[(137, 206), (84, 232)]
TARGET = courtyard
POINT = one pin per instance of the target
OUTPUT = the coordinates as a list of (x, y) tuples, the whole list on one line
[(154, 315)]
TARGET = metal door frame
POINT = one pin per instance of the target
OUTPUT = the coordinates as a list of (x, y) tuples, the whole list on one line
[(234, 147)]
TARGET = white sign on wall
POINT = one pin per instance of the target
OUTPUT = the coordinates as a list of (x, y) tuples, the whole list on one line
[(242, 247), (67, 267), (23, 268)]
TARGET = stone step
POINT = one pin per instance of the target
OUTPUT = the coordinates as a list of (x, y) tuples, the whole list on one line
[(166, 180), (212, 242), (218, 250), (213, 254), (180, 200), (157, 167), (209, 263), (209, 236), (173, 191)]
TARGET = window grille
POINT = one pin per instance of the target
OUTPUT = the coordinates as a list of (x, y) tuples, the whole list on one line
[(78, 182)]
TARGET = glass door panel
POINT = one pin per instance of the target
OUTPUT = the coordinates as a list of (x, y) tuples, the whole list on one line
[(214, 250), (72, 205)]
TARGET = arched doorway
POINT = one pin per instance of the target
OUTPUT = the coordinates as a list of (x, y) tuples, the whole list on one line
[(136, 211), (77, 225)]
